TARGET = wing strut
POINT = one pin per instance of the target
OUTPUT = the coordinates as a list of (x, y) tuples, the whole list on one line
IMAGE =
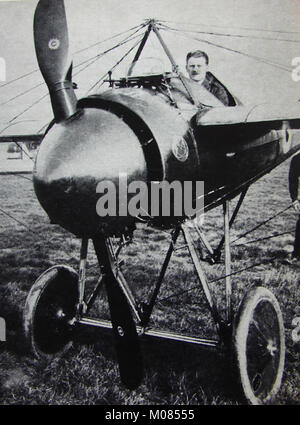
[(174, 65), (139, 51), (153, 27)]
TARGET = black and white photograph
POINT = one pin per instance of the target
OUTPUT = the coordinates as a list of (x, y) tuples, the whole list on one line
[(150, 205)]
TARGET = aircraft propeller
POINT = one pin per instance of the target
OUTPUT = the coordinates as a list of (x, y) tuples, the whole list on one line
[(52, 50)]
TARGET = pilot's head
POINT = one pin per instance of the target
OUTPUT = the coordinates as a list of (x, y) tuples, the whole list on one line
[(197, 65)]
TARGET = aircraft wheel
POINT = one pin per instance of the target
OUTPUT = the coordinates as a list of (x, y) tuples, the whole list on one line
[(50, 305), (259, 345)]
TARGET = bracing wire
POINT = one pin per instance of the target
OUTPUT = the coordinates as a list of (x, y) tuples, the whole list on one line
[(22, 94), (237, 272), (17, 174), (257, 58), (126, 40), (18, 78), (20, 147), (138, 27), (17, 221), (75, 53), (29, 107), (16, 142), (113, 67), (26, 226), (185, 291), (180, 293), (43, 127), (178, 23), (230, 35), (288, 232), (89, 62), (92, 60), (262, 223), (200, 24), (22, 176)]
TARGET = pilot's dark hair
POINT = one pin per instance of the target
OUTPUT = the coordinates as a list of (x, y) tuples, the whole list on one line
[(197, 54)]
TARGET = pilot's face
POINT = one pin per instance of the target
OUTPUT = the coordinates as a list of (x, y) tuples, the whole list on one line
[(196, 68)]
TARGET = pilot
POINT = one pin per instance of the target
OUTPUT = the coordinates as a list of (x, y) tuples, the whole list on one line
[(294, 188), (205, 89), (202, 82)]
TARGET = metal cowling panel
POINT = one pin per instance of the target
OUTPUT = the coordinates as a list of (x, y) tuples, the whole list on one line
[(169, 145)]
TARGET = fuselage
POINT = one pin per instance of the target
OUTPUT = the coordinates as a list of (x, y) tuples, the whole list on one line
[(139, 133)]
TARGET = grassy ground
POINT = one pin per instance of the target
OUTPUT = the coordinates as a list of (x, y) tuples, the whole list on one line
[(174, 373)]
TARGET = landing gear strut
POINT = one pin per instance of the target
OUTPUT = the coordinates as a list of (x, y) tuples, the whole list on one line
[(56, 303)]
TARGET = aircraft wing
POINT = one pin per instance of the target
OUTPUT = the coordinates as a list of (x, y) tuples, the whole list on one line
[(18, 161), (22, 131), (22, 138), (248, 114), (240, 128)]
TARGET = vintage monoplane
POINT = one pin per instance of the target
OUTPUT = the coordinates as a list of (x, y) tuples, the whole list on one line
[(149, 128)]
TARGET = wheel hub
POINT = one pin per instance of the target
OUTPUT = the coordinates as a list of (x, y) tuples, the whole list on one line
[(272, 348), (60, 314)]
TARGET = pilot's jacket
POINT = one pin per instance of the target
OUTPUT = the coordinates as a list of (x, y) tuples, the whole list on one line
[(210, 93), (216, 88)]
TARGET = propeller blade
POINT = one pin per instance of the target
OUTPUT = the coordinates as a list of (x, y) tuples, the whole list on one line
[(52, 50)]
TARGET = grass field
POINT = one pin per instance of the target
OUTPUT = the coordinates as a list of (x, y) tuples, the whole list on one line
[(175, 373)]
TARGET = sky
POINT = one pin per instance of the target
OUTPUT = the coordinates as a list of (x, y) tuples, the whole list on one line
[(91, 21)]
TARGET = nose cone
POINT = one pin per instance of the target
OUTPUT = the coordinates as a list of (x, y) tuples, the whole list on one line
[(91, 147)]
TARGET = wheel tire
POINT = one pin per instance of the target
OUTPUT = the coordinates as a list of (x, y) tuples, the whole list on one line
[(50, 305), (259, 347)]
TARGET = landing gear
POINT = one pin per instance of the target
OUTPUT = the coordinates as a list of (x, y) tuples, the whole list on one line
[(49, 310), (57, 303), (259, 345), (127, 343)]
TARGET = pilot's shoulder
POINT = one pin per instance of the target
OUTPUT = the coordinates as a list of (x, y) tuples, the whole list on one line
[(212, 84)]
